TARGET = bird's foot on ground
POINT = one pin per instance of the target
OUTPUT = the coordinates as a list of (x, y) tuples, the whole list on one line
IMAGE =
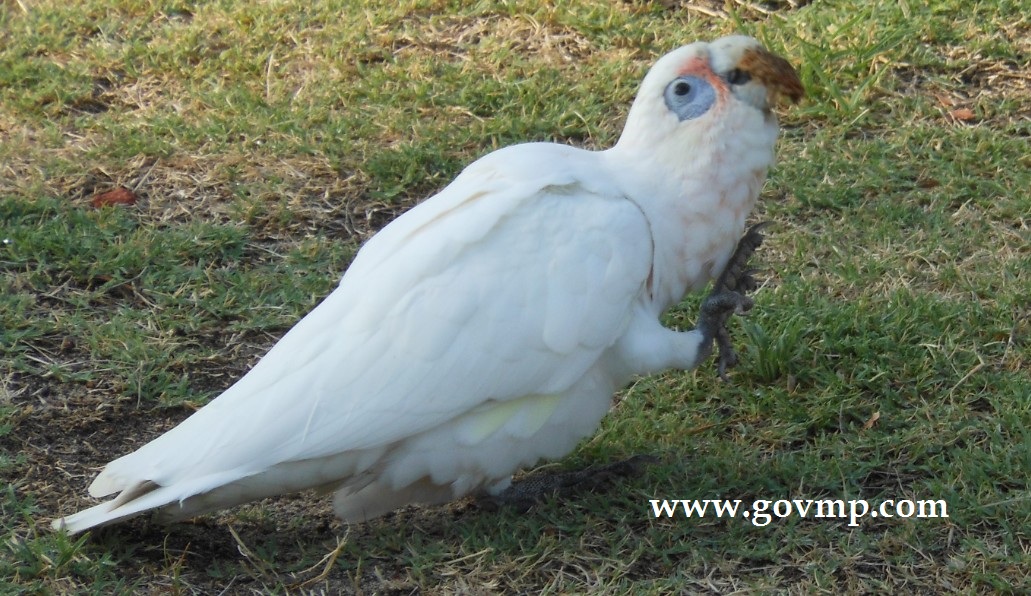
[(728, 298), (531, 490)]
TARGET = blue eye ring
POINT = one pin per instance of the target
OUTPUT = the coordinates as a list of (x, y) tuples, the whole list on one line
[(689, 96)]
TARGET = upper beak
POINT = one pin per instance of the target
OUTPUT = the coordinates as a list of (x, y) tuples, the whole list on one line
[(774, 72)]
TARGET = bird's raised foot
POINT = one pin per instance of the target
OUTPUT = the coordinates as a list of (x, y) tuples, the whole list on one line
[(736, 276), (531, 490), (728, 298)]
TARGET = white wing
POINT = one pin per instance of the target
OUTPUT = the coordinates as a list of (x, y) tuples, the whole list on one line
[(510, 282)]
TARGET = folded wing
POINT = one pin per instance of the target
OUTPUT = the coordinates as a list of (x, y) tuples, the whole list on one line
[(510, 282)]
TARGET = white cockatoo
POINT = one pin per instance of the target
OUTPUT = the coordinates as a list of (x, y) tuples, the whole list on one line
[(488, 327)]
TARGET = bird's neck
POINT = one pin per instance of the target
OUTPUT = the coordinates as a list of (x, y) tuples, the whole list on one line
[(696, 193)]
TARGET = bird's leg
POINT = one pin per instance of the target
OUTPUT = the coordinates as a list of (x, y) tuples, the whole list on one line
[(534, 488), (728, 298)]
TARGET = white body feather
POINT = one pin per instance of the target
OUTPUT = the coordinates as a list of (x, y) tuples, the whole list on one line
[(483, 330)]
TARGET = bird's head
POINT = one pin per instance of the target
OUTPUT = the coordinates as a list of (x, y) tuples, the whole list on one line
[(693, 87)]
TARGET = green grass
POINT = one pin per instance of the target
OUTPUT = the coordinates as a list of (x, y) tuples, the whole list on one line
[(266, 141)]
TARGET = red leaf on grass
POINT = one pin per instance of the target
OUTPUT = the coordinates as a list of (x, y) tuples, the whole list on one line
[(118, 196), (963, 114)]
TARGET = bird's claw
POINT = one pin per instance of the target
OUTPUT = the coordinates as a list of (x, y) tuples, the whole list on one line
[(728, 298)]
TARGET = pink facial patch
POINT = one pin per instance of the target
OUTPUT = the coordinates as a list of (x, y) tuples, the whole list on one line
[(695, 66), (699, 67)]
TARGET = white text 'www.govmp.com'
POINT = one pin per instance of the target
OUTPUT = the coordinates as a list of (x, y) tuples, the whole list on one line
[(762, 512)]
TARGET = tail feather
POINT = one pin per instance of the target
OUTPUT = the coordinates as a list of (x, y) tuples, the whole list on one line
[(189, 497), (106, 483), (130, 503), (144, 496), (93, 517)]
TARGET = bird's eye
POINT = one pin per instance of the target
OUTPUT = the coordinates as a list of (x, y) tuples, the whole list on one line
[(738, 77), (689, 97)]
